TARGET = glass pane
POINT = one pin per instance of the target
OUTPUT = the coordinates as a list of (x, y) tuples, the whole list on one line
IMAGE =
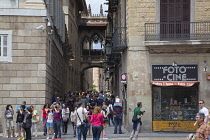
[(5, 40), (0, 44), (4, 51)]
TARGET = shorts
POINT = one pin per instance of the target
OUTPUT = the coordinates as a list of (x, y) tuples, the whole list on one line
[(49, 124), (19, 126), (9, 125)]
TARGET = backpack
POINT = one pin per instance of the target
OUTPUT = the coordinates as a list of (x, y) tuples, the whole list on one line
[(111, 111)]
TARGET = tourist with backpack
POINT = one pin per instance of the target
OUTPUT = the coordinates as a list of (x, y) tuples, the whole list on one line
[(110, 113)]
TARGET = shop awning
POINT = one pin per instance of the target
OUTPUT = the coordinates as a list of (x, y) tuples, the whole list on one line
[(174, 83)]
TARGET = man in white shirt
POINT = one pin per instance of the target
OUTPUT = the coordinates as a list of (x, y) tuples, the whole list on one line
[(203, 110), (81, 115)]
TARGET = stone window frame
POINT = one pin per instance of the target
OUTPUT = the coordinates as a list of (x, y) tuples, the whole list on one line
[(7, 58), (192, 13)]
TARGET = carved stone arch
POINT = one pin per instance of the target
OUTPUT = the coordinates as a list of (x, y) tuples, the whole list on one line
[(88, 66), (94, 35), (85, 37)]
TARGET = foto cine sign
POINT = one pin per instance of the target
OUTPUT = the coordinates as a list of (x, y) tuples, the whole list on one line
[(208, 76)]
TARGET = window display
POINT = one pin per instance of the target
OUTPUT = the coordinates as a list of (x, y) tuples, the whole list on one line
[(175, 103)]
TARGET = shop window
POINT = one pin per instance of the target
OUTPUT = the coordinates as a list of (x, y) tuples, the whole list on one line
[(175, 103), (6, 46)]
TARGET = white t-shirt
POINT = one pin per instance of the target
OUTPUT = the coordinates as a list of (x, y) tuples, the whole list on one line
[(82, 114), (64, 112), (50, 117), (205, 111)]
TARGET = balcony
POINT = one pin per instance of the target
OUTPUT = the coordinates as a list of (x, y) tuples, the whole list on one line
[(177, 32), (119, 39)]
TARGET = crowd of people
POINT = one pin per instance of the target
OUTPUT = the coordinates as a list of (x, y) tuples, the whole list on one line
[(86, 111)]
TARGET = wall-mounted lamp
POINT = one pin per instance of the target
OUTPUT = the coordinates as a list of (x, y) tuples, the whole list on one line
[(174, 64), (205, 69)]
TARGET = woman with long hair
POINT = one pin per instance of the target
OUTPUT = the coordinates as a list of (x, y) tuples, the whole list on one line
[(45, 110), (97, 122), (73, 118), (8, 115), (89, 114), (65, 118), (104, 113)]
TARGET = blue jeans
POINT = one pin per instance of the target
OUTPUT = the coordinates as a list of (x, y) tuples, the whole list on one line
[(118, 122), (44, 122), (82, 131), (96, 132), (73, 128), (110, 118), (57, 129), (65, 126)]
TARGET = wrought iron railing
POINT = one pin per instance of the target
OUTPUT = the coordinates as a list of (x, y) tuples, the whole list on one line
[(119, 38), (177, 31)]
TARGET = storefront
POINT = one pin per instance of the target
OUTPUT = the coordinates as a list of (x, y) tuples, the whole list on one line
[(175, 97)]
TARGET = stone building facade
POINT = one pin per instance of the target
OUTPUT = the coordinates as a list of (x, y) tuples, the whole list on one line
[(156, 39), (37, 50)]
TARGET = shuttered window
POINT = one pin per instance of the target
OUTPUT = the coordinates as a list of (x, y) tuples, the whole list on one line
[(174, 19)]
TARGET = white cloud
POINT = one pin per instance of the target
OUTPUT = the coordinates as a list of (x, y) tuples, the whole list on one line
[(95, 5)]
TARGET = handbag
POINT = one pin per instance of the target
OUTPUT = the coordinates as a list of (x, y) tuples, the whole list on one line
[(134, 119), (9, 116), (65, 119)]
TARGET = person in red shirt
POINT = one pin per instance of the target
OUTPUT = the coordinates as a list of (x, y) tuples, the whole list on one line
[(45, 110), (97, 121)]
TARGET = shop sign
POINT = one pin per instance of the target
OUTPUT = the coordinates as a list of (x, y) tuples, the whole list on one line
[(208, 76), (175, 73), (174, 126), (166, 83)]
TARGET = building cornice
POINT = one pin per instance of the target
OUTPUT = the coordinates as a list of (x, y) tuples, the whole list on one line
[(22, 12)]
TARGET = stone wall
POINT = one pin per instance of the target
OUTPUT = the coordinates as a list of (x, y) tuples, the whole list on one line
[(24, 79)]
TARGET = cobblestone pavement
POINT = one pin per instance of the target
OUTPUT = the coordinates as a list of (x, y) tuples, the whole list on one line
[(111, 136)]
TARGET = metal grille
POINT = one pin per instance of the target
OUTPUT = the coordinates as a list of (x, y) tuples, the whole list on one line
[(177, 31), (119, 38), (175, 103)]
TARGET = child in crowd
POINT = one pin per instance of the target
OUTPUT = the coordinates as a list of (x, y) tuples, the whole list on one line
[(49, 123), (8, 115)]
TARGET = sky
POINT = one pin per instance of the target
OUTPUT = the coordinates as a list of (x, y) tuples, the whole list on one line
[(95, 5)]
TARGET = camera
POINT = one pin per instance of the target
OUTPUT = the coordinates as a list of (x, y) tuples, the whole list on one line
[(142, 112), (56, 107)]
